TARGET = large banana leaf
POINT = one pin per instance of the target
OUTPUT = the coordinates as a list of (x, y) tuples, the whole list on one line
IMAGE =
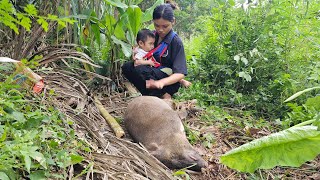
[(147, 15), (291, 147), (134, 20), (117, 3), (126, 48), (110, 22)]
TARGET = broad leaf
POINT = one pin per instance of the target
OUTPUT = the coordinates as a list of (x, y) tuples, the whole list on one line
[(300, 92), (76, 158), (39, 157), (110, 22), (116, 3), (96, 31), (3, 176), (245, 75), (147, 15), (291, 147), (27, 160), (134, 18), (126, 48), (119, 31), (37, 175), (18, 116)]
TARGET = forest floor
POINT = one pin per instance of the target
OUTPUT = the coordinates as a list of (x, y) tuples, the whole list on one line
[(120, 158)]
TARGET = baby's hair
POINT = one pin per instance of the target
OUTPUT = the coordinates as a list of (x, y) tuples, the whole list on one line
[(143, 35)]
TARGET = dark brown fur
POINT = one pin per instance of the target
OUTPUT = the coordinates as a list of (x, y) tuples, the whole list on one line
[(152, 122)]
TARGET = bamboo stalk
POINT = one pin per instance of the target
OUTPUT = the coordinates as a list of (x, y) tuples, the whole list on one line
[(117, 129), (132, 91)]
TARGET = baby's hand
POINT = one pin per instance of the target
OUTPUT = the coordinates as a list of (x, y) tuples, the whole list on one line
[(138, 62), (150, 62)]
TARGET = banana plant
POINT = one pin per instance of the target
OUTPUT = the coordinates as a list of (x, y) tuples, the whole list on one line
[(290, 147), (114, 31)]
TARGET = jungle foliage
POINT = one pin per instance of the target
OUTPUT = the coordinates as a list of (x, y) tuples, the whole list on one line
[(255, 56), (249, 57), (34, 137)]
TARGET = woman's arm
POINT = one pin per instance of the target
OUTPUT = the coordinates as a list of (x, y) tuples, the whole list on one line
[(159, 84)]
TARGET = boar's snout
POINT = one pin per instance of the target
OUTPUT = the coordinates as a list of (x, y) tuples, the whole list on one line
[(200, 163), (190, 159)]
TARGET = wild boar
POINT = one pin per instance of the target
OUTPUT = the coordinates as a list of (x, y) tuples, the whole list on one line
[(152, 122)]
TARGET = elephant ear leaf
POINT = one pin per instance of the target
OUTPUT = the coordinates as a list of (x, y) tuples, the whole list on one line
[(291, 147)]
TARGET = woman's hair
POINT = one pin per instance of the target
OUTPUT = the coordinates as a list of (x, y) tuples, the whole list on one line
[(165, 11)]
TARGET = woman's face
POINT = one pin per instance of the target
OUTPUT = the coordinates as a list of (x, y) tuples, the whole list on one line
[(162, 26)]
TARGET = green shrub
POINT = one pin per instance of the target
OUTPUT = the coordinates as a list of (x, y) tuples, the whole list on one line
[(253, 59), (34, 139)]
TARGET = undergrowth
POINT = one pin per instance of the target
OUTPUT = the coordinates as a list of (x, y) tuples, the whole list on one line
[(36, 141)]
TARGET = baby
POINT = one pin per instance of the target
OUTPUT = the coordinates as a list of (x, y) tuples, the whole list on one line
[(145, 40)]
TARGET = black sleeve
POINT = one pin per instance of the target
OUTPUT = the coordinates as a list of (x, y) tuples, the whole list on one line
[(179, 58)]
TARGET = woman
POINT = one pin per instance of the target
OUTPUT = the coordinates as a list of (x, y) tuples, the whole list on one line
[(154, 81)]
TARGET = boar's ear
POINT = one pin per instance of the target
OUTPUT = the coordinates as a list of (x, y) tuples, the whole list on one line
[(183, 113)]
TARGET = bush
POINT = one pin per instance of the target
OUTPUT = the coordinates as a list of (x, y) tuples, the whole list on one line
[(253, 58)]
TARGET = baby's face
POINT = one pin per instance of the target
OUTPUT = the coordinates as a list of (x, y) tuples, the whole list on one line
[(148, 45)]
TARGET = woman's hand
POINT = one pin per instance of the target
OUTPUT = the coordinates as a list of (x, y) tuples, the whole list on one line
[(159, 84), (152, 84)]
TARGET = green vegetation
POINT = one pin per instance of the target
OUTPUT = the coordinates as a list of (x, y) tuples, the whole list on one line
[(35, 138), (244, 60)]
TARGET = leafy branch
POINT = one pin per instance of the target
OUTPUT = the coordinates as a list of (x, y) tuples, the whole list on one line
[(12, 19)]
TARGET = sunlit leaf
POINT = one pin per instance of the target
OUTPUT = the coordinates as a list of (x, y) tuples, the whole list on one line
[(31, 10), (236, 58), (4, 176), (26, 23), (291, 147), (76, 158), (245, 75), (44, 24), (244, 60), (134, 18), (53, 17), (116, 3), (110, 23)]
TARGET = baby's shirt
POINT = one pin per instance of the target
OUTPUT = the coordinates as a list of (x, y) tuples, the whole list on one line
[(140, 53)]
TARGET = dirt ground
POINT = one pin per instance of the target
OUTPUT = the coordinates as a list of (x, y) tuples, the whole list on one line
[(120, 158)]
